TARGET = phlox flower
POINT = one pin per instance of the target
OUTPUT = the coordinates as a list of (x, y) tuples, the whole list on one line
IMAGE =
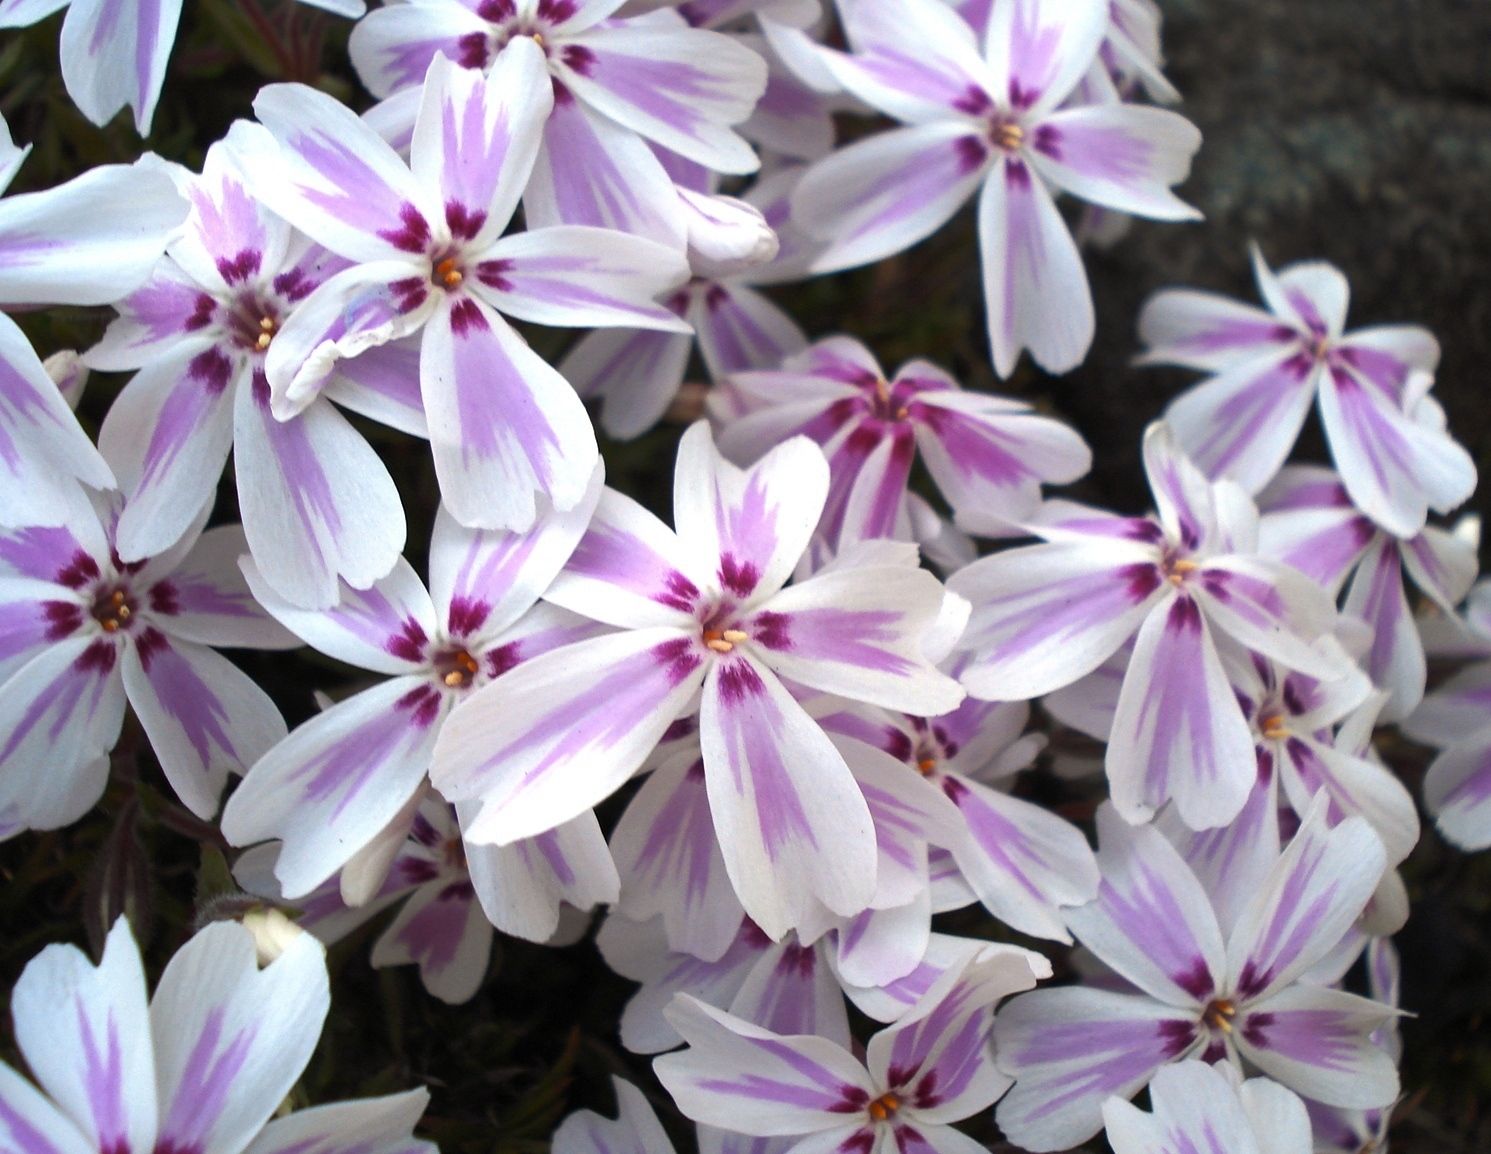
[(619, 82), (1312, 523), (450, 895), (992, 118), (1237, 995), (1022, 861), (87, 242), (704, 623), (637, 372), (427, 253), (82, 633), (204, 1065), (338, 782), (988, 455), (635, 1130), (114, 52), (1045, 615), (317, 503), (931, 1068), (1210, 1110), (1270, 364), (1456, 719)]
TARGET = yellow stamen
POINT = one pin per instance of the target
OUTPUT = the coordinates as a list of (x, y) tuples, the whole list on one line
[(538, 38), (449, 275), (267, 324), (122, 613), (901, 413), (110, 625), (735, 636), (884, 1106), (1274, 728), (1219, 1015), (264, 341), (714, 639), (926, 765), (1009, 136), (882, 391)]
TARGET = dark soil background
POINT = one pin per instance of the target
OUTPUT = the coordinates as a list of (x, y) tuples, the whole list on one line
[(1356, 131)]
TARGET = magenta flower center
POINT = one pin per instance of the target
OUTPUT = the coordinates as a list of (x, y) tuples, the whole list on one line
[(1219, 1014), (884, 1107), (456, 668), (252, 322)]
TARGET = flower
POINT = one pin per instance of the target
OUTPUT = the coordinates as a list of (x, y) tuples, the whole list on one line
[(114, 54), (204, 1066), (932, 1067), (988, 455), (85, 632), (1199, 993), (619, 83), (635, 1130), (704, 609), (334, 785), (428, 255), (317, 503), (1269, 366), (1045, 615), (1210, 1108), (1311, 522), (993, 120)]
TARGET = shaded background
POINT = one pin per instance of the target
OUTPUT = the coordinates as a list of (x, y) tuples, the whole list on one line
[(1355, 131)]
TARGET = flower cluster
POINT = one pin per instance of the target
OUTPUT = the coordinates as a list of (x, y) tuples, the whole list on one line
[(817, 746)]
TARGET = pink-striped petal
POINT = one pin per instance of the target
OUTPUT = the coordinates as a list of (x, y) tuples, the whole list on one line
[(363, 1126), (505, 428), (794, 828), (331, 786), (29, 1122), (1178, 732), (1121, 156), (558, 734), (635, 373), (635, 1130), (741, 329), (1205, 331), (114, 56), (1037, 50), (1395, 660), (1457, 791), (393, 48), (441, 929), (1271, 609)]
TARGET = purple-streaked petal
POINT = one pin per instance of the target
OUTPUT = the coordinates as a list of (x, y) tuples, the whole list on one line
[(505, 428), (1152, 921), (31, 1124), (1184, 499), (318, 505), (1441, 564), (1037, 50), (1456, 711), (669, 859), (1324, 543), (161, 314), (634, 372), (938, 1056), (90, 241), (1242, 423), (204, 717), (736, 1074), (680, 87), (382, 383), (882, 195), (1457, 791), (223, 1064), (477, 137), (875, 507), (740, 329), (883, 945), (1318, 1042), (327, 172), (791, 989), (1201, 330), (114, 56), (631, 570), (1386, 355), (1396, 660), (85, 1034), (1356, 785), (794, 828), (1395, 468), (1314, 893), (205, 598), (1271, 609), (442, 929), (1069, 1050), (522, 886), (386, 628), (578, 276), (43, 450), (592, 171), (1023, 861), (558, 734), (333, 784), (1121, 156), (752, 524), (362, 1126), (1196, 1110), (635, 1130), (1178, 732), (860, 632), (1045, 615), (59, 713), (393, 48), (228, 239)]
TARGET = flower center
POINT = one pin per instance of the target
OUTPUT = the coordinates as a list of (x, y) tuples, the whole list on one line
[(884, 410), (1007, 136), (724, 640), (456, 668), (1275, 727), (1219, 1014), (1176, 570), (113, 608), (883, 1107), (447, 273), (252, 322)]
